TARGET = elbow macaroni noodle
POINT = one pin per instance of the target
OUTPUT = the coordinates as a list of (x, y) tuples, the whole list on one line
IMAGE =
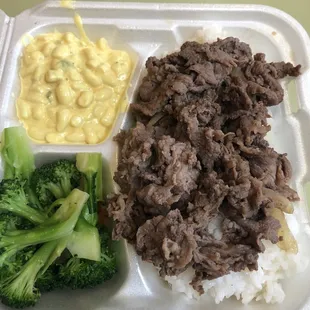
[(71, 89)]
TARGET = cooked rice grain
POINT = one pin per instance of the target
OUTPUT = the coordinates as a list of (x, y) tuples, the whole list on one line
[(263, 284)]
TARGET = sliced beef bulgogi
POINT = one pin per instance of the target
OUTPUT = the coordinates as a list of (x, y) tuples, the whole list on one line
[(198, 153)]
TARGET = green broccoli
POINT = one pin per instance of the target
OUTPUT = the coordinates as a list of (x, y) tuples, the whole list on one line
[(79, 273), (18, 290), (40, 253), (13, 265), (18, 159), (10, 224), (14, 199), (84, 242), (55, 180), (90, 166), (107, 176), (61, 224), (18, 284), (92, 261), (16, 153), (49, 280)]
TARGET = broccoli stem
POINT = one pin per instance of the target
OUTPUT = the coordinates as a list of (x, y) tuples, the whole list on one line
[(19, 290), (20, 208), (48, 278), (33, 199), (84, 242), (90, 165), (18, 159), (108, 181), (61, 246), (16, 153), (13, 199), (39, 235), (57, 191), (9, 252), (61, 224), (55, 204), (99, 179), (66, 186), (90, 210)]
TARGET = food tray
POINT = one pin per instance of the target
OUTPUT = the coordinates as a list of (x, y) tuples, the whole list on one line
[(155, 29)]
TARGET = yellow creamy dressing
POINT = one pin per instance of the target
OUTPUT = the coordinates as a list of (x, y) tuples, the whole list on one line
[(71, 89)]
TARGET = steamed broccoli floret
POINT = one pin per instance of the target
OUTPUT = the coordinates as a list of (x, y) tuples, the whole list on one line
[(18, 159), (48, 277), (55, 180), (14, 264), (13, 223), (79, 273), (10, 225), (13, 198), (90, 166), (31, 246), (49, 281), (17, 285), (18, 290), (16, 153), (61, 224), (8, 222)]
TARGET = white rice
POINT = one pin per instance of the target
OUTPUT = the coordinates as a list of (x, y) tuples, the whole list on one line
[(209, 34), (263, 284)]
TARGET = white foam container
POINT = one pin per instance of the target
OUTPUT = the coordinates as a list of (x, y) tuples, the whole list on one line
[(155, 29)]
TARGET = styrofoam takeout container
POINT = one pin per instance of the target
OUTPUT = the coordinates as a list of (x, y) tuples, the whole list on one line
[(155, 29)]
